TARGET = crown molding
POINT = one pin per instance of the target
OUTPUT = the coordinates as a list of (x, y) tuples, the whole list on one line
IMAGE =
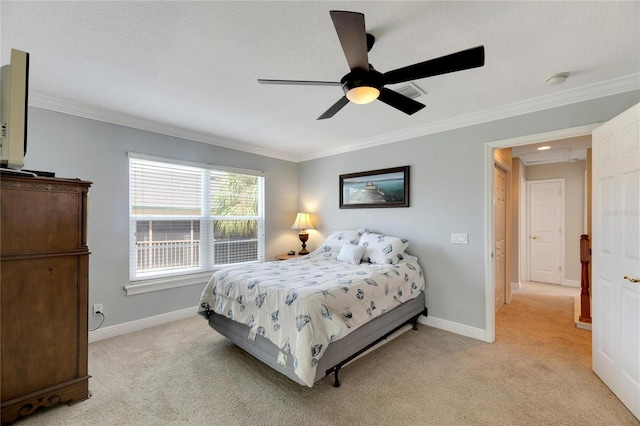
[(611, 87), (580, 94), (553, 135), (78, 109)]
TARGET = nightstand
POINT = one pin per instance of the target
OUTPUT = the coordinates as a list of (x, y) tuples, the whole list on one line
[(285, 256)]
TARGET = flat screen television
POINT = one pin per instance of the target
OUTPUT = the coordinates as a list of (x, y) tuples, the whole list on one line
[(14, 91)]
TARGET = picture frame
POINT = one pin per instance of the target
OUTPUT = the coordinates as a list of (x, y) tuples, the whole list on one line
[(381, 188)]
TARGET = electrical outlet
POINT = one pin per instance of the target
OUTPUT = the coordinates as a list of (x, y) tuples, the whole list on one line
[(97, 309)]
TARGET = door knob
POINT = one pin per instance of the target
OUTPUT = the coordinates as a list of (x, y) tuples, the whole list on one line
[(633, 280), (534, 237)]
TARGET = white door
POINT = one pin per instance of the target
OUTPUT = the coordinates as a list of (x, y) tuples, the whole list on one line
[(546, 230), (616, 255), (500, 213)]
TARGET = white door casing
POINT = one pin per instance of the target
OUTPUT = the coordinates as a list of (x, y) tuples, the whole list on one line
[(523, 259), (616, 254), (500, 214), (546, 230)]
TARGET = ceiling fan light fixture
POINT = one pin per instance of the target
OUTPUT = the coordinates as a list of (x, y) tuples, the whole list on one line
[(363, 94), (362, 87)]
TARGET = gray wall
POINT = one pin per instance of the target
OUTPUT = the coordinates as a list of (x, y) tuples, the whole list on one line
[(447, 196), (96, 151)]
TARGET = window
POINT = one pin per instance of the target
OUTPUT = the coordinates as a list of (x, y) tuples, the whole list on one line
[(188, 218)]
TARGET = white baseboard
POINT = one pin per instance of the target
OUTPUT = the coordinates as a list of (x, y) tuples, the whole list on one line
[(454, 327), (571, 283), (516, 286), (141, 324)]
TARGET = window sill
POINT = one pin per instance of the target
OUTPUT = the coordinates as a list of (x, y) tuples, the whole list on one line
[(157, 284)]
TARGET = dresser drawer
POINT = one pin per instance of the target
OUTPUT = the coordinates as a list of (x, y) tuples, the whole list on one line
[(39, 215)]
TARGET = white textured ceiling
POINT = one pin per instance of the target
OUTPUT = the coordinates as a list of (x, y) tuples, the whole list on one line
[(190, 68)]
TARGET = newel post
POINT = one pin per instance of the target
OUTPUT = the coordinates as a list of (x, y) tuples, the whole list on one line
[(585, 298)]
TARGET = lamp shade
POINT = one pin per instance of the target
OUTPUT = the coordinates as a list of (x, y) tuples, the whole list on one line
[(303, 221)]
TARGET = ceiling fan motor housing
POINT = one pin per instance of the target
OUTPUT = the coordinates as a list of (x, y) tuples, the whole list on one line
[(359, 78)]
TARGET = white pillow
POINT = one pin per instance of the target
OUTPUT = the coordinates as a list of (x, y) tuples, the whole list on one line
[(351, 253), (382, 249), (337, 239)]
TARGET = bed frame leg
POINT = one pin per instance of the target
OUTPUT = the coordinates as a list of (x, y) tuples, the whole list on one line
[(414, 320), (336, 383)]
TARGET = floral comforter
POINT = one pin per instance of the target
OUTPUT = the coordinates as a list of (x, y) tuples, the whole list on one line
[(303, 304)]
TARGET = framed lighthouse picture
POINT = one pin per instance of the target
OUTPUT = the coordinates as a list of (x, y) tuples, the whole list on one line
[(375, 188)]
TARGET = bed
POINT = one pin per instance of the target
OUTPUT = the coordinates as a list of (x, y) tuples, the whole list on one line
[(309, 316)]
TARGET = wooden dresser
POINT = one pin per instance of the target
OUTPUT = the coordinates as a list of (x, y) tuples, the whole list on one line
[(44, 279)]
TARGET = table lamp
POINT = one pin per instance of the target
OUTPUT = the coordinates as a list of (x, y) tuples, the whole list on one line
[(303, 222)]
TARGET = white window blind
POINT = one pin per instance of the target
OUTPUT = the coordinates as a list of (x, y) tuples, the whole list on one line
[(189, 218), (161, 189)]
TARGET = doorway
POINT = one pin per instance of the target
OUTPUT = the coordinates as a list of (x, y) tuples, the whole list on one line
[(490, 272)]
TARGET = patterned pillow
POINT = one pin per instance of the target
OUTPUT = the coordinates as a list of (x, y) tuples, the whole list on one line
[(337, 239), (382, 249), (351, 253)]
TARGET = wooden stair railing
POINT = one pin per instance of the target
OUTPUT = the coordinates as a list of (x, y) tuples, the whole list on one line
[(585, 298)]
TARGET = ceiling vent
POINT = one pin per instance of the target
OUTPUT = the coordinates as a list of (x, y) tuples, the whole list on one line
[(409, 90)]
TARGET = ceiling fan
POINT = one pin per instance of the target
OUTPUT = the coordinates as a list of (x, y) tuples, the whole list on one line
[(364, 84)]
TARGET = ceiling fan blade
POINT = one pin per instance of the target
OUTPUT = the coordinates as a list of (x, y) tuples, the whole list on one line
[(465, 59), (334, 108), (398, 101), (353, 37), (299, 82)]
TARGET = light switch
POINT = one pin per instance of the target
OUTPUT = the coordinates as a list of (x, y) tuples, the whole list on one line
[(459, 238)]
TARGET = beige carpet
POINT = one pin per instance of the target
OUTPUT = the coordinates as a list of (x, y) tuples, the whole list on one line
[(537, 373)]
